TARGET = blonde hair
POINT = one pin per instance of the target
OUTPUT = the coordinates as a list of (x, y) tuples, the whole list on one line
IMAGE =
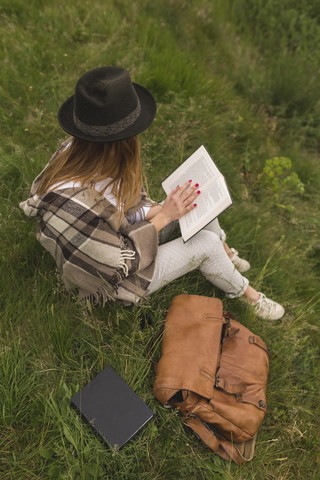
[(89, 163)]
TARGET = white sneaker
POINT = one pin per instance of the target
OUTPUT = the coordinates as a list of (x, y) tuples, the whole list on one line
[(268, 309), (240, 264)]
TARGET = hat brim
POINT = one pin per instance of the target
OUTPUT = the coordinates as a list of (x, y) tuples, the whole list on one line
[(146, 117)]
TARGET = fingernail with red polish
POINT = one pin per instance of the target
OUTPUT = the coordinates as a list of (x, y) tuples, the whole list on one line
[(198, 192), (190, 181), (197, 185), (194, 204)]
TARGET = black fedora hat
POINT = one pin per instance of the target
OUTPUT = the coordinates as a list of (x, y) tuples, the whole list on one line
[(107, 106)]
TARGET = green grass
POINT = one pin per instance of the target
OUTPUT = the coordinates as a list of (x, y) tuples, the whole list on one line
[(240, 77)]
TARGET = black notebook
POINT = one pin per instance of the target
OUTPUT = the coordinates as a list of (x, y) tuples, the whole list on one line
[(112, 408)]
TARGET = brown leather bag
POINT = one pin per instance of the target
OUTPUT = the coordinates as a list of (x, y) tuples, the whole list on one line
[(214, 370)]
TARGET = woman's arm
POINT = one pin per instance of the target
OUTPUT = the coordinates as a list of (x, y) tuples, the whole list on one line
[(153, 211)]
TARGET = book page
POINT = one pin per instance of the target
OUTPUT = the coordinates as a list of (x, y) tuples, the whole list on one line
[(214, 197), (218, 191), (211, 202), (198, 167)]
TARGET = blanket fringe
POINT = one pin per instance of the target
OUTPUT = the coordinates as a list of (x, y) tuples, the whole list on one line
[(100, 297), (126, 255)]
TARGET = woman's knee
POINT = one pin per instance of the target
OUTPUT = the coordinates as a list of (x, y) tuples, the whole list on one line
[(208, 239), (207, 234)]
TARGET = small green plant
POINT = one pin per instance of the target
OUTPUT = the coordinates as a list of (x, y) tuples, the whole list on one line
[(279, 177)]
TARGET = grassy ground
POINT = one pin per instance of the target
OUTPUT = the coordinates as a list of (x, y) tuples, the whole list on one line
[(240, 77)]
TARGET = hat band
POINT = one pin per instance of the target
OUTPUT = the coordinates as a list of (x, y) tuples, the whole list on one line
[(114, 128)]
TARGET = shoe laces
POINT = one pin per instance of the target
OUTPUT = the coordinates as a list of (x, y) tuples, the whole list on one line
[(265, 303)]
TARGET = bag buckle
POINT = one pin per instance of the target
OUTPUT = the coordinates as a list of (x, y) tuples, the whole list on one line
[(227, 318)]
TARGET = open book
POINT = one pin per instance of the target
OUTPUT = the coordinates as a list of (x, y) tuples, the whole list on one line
[(214, 197)]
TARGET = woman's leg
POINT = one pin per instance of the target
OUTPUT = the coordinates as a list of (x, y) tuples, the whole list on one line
[(240, 264), (207, 252), (204, 251), (214, 226)]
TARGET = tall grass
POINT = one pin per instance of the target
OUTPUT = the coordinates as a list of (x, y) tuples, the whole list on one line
[(283, 41), (239, 77)]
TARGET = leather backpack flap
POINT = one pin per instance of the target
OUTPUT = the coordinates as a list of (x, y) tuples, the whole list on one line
[(237, 422), (241, 379), (191, 348), (241, 347)]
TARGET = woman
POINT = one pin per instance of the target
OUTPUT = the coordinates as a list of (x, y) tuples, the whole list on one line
[(95, 218)]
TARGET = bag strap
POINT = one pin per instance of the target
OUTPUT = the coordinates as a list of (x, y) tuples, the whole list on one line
[(239, 453), (260, 343)]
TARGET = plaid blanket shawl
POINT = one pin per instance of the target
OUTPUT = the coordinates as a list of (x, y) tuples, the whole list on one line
[(100, 258)]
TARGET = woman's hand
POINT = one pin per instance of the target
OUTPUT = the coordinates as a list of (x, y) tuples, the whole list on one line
[(179, 202)]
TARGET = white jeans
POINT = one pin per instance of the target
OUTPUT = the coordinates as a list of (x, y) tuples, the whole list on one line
[(204, 251)]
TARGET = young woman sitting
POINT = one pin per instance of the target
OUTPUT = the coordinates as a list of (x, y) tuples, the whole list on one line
[(95, 218)]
